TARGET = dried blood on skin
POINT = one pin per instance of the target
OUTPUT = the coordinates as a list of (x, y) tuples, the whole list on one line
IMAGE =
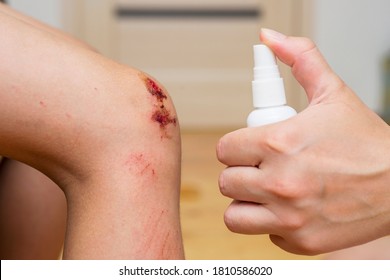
[(155, 90), (161, 115)]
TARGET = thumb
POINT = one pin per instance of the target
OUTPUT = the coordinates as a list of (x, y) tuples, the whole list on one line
[(307, 63)]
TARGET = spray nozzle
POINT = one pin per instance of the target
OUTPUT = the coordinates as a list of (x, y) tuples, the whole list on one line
[(265, 63), (269, 98), (267, 85)]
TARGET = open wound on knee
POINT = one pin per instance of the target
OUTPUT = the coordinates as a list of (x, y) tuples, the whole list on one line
[(161, 114)]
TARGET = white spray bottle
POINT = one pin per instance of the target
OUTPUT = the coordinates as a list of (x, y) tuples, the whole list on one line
[(269, 98)]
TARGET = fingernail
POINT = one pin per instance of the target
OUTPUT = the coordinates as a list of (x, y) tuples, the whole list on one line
[(272, 34)]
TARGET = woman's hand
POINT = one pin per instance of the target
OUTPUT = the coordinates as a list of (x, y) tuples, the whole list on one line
[(319, 181)]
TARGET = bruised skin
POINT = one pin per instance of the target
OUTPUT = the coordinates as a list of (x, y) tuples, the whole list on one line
[(161, 114), (154, 89)]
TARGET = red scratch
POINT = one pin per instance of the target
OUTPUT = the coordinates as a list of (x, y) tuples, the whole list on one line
[(138, 164), (145, 168)]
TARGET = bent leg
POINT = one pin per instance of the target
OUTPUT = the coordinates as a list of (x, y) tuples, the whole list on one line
[(42, 26), (32, 214), (107, 134)]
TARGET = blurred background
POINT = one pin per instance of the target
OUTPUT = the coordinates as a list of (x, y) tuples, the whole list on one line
[(201, 50)]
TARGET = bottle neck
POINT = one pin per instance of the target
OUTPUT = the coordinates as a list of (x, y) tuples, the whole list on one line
[(268, 93)]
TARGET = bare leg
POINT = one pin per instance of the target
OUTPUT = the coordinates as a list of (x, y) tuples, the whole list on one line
[(33, 209), (32, 214), (44, 27), (105, 133)]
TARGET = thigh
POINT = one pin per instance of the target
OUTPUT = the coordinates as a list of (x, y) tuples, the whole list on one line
[(32, 213)]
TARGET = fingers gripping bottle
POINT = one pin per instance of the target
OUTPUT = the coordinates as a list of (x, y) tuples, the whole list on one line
[(269, 98)]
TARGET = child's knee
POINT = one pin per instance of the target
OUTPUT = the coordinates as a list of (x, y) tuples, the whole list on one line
[(137, 121)]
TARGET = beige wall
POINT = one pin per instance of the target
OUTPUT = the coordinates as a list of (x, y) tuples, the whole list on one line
[(205, 64)]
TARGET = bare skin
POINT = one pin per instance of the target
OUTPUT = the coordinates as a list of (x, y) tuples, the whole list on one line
[(32, 214), (87, 123), (319, 181)]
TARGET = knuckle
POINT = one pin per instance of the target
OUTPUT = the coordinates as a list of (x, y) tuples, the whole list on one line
[(307, 44), (308, 48), (294, 222), (286, 187), (282, 140), (309, 245), (298, 244)]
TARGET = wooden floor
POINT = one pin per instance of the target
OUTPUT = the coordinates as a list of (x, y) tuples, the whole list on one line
[(202, 207)]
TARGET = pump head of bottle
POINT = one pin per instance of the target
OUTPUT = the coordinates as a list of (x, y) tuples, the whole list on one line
[(265, 63), (267, 85), (269, 98)]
